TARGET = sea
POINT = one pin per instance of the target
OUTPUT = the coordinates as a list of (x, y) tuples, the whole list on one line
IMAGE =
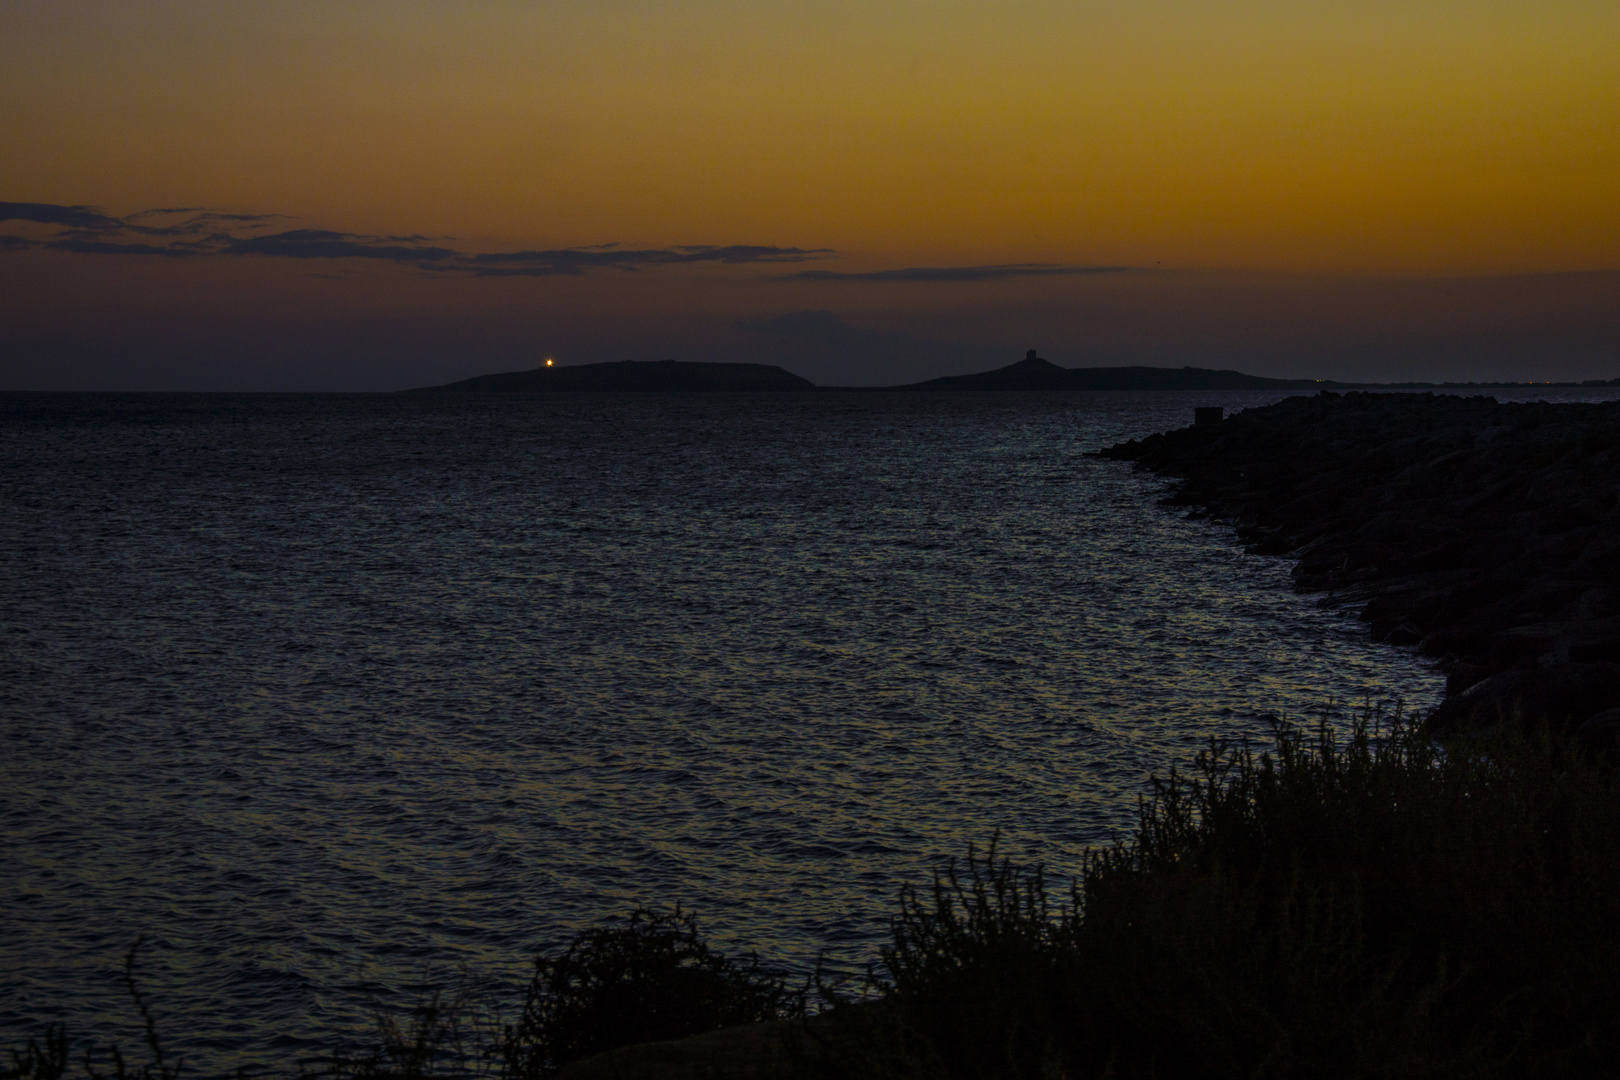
[(327, 701)]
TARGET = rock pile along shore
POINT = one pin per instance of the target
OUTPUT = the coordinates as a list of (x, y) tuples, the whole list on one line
[(1484, 534)]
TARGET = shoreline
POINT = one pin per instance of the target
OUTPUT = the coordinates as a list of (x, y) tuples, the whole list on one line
[(1485, 535)]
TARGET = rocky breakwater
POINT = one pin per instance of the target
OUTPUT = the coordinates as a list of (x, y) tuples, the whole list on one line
[(1485, 535)]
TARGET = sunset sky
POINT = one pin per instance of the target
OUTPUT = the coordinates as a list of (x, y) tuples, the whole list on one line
[(370, 196)]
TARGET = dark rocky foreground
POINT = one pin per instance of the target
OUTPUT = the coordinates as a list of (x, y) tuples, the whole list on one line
[(1486, 535)]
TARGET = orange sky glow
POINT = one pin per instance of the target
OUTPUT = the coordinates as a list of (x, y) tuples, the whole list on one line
[(1236, 159)]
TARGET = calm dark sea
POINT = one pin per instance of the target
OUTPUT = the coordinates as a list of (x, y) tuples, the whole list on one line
[(329, 697)]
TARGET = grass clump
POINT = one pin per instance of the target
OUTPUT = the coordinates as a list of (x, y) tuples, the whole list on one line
[(650, 978), (653, 978), (1362, 906), (453, 1034), (49, 1059)]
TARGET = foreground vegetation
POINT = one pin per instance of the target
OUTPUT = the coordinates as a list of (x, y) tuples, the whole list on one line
[(1376, 906), (1364, 905)]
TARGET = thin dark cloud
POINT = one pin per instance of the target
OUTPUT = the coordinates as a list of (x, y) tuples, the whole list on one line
[(84, 230), (211, 215), (84, 222), (324, 244), (73, 217), (956, 273), (15, 243), (88, 246), (750, 253), (206, 222), (570, 261), (578, 260)]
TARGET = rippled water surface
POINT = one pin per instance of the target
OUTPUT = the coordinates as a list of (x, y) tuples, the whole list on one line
[(328, 697)]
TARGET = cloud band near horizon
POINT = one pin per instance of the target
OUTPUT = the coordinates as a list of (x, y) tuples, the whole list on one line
[(997, 272), (199, 232)]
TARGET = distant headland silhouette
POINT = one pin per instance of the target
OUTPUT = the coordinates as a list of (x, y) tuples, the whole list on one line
[(1031, 373), (634, 375), (1035, 373)]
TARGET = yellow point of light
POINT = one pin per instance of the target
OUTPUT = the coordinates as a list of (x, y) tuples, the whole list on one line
[(549, 361)]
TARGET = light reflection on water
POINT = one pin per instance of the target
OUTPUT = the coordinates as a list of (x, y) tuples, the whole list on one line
[(316, 691)]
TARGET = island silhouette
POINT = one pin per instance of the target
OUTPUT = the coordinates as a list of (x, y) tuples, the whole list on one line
[(1033, 372), (634, 375)]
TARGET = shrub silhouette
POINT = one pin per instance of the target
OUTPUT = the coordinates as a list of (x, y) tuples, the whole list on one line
[(1370, 905), (50, 1061), (445, 1035), (653, 978)]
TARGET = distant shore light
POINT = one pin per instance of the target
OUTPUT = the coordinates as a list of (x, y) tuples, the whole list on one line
[(549, 361)]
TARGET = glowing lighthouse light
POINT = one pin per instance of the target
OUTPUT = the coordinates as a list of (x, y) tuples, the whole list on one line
[(549, 361)]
